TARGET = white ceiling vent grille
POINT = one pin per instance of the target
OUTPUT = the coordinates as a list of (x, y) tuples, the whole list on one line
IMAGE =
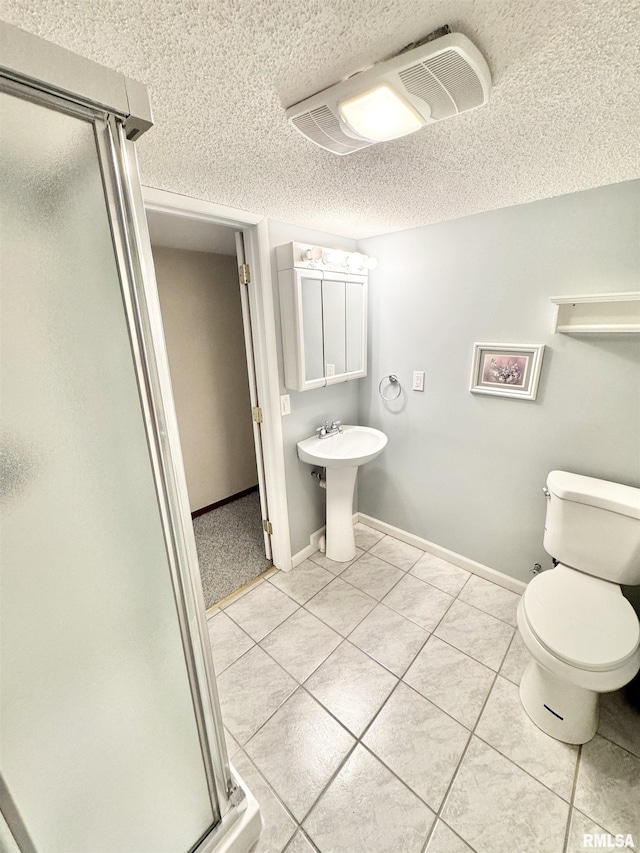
[(439, 79), (323, 127), (458, 78), (421, 82)]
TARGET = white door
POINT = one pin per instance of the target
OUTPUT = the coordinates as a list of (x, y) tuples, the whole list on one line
[(253, 387)]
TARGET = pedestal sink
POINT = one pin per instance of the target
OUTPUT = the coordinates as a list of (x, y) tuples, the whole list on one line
[(341, 454)]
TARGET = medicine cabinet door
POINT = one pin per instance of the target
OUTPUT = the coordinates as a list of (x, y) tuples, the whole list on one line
[(334, 329), (356, 327), (311, 333)]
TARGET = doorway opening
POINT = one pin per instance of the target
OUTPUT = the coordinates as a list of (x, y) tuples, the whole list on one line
[(209, 332)]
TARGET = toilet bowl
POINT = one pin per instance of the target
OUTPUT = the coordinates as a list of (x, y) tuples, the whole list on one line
[(582, 633), (584, 639)]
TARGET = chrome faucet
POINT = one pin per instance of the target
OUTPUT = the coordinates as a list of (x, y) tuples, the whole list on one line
[(328, 429)]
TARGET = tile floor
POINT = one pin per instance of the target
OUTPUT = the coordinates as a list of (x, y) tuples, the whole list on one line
[(372, 707)]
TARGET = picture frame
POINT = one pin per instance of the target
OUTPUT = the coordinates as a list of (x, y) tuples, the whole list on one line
[(506, 370)]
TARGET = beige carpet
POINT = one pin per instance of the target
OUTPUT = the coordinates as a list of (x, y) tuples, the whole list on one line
[(230, 547)]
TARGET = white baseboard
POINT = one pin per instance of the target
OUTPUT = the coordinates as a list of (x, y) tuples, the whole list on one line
[(485, 572), (312, 547)]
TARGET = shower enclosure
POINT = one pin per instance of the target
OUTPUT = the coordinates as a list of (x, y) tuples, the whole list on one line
[(110, 734)]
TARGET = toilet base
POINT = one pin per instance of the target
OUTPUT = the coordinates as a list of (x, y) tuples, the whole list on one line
[(562, 710)]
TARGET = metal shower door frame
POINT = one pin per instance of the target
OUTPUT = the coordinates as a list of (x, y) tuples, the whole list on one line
[(119, 111)]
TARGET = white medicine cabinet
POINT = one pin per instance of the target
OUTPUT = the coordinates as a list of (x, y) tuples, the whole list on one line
[(323, 308)]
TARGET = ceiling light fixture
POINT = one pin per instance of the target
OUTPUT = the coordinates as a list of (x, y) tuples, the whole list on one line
[(441, 76), (380, 114), (312, 254), (317, 257)]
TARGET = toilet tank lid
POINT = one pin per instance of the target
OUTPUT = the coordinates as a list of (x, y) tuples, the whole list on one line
[(615, 497)]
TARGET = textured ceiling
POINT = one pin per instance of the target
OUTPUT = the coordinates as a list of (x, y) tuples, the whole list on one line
[(564, 113)]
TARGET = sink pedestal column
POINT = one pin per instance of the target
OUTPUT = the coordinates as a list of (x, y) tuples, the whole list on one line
[(341, 545)]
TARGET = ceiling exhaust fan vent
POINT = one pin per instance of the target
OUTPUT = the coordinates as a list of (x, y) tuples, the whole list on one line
[(323, 127), (458, 78), (433, 81), (419, 81)]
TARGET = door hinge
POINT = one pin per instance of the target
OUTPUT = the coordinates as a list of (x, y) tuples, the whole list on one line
[(245, 273), (267, 526), (256, 414)]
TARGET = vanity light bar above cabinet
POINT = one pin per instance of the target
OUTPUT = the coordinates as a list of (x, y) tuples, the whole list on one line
[(323, 311), (306, 256)]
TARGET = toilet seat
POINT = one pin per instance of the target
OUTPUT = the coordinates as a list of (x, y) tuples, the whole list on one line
[(582, 620)]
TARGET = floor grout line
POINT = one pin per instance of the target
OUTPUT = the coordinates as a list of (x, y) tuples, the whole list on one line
[(471, 736), (615, 743), (359, 740), (571, 801), (523, 769), (343, 638)]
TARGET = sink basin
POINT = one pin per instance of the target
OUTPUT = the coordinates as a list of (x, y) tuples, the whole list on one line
[(341, 454), (354, 446)]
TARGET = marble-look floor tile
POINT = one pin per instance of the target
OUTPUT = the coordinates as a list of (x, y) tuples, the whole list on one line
[(372, 575), (299, 844), (250, 691), (620, 717), (366, 536), (228, 641), (608, 787), (440, 573), (351, 686), (399, 554), (301, 643), (451, 680), (303, 582), (278, 826), (261, 610), (298, 750), (506, 726), (333, 566), (516, 660), (475, 633), (389, 638), (7, 841), (493, 599), (496, 807), (581, 825), (365, 809), (419, 742), (341, 606), (418, 601), (444, 840), (232, 744)]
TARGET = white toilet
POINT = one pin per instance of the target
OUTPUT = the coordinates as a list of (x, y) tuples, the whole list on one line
[(583, 634)]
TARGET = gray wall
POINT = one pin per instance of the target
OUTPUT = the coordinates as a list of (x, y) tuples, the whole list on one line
[(466, 471), (202, 318), (309, 409)]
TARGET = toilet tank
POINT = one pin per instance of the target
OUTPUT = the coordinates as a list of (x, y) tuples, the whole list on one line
[(594, 526)]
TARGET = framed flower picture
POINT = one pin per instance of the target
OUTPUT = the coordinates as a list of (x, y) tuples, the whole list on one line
[(507, 370)]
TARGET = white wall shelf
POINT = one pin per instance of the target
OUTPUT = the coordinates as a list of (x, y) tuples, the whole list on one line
[(597, 313)]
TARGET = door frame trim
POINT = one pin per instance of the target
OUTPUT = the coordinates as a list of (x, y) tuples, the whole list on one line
[(261, 302)]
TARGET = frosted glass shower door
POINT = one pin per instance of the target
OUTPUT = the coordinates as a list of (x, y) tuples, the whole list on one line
[(99, 746)]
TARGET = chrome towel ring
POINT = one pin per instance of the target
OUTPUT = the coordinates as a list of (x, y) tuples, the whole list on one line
[(394, 382)]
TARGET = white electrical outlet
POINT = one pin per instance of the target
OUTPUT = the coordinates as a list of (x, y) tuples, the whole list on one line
[(331, 370), (285, 404), (418, 380)]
